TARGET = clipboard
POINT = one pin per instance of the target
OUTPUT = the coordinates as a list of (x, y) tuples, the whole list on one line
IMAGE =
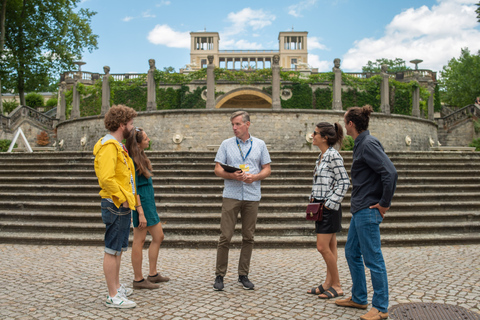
[(228, 168)]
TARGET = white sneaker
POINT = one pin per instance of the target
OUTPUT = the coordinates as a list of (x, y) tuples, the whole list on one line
[(126, 292), (119, 301)]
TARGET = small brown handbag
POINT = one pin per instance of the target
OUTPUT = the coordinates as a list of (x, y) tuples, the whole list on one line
[(314, 211)]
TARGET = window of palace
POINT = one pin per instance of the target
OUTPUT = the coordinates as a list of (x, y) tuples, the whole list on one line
[(203, 43), (293, 43)]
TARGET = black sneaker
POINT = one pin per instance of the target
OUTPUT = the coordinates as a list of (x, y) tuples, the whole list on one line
[(247, 284), (218, 285)]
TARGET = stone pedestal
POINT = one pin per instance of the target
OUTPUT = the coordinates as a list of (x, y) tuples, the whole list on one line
[(210, 83), (151, 87), (105, 91), (62, 104), (276, 103), (76, 100), (416, 102), (337, 90), (384, 91), (431, 111)]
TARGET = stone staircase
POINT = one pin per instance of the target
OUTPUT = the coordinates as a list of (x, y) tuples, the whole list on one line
[(52, 198)]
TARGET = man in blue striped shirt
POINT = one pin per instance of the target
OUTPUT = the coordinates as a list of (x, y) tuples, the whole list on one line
[(241, 193)]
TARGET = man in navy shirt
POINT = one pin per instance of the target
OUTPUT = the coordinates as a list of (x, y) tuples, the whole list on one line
[(240, 194), (374, 179)]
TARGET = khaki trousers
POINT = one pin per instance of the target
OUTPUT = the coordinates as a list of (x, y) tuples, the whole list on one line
[(230, 209)]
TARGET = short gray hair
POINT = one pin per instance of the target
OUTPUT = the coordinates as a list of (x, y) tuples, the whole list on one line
[(244, 114)]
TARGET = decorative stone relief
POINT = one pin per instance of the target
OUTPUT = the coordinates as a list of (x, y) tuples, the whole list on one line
[(286, 94), (408, 140)]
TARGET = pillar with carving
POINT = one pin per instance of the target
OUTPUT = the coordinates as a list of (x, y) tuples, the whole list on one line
[(210, 83), (276, 104), (76, 99), (337, 86), (384, 90), (430, 104), (416, 97), (105, 91), (151, 87), (62, 104)]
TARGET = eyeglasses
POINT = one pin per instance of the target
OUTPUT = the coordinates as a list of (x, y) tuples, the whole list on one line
[(137, 129), (315, 133)]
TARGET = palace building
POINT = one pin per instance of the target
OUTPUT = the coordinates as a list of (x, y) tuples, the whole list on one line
[(292, 50)]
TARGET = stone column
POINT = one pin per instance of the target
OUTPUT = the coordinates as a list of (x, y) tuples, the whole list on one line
[(337, 86), (384, 91), (276, 104), (210, 83), (105, 90), (62, 105), (416, 98), (76, 99), (151, 87), (431, 111)]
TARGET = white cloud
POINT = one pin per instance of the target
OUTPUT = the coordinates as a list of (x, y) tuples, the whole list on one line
[(434, 35), (147, 14), (322, 65), (163, 34), (163, 3), (246, 19), (296, 9), (126, 19), (314, 43)]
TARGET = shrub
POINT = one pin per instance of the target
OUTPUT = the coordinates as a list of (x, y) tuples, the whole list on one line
[(5, 144), (52, 102), (348, 143), (34, 100), (475, 143), (43, 139), (9, 106)]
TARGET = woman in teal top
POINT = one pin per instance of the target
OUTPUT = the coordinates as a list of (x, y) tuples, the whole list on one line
[(145, 217)]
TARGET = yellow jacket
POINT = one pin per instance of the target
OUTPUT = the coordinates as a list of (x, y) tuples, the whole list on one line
[(114, 170)]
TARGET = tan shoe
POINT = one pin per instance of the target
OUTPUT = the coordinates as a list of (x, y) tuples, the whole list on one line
[(374, 314), (349, 303), (158, 278), (145, 284)]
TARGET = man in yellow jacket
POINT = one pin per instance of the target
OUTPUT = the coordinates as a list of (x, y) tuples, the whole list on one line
[(116, 176)]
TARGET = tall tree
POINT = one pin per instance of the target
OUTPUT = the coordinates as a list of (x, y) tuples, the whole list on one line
[(43, 38), (460, 79), (2, 43), (396, 65)]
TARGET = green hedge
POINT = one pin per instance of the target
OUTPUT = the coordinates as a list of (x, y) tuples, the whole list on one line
[(5, 144)]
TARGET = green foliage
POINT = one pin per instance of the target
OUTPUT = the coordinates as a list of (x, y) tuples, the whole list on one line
[(302, 97), (52, 102), (475, 143), (396, 65), (5, 144), (460, 79), (348, 143), (192, 100), (361, 92), (323, 98), (43, 38), (476, 125), (437, 101), (168, 98), (34, 100), (9, 106)]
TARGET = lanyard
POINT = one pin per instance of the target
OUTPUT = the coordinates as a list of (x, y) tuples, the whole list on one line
[(241, 152)]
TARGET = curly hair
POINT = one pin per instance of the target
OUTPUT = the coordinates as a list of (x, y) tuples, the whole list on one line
[(117, 115), (333, 133), (142, 163), (359, 117)]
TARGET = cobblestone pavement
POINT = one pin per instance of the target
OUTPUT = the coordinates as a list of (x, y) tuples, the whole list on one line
[(61, 282)]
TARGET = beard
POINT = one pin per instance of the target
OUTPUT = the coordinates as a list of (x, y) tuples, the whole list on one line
[(126, 133)]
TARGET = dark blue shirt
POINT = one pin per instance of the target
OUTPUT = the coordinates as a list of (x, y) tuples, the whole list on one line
[(374, 177)]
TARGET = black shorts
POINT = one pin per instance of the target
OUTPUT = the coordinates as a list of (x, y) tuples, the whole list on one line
[(331, 222)]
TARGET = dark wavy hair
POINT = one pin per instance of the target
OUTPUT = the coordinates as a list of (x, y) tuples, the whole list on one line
[(142, 163), (333, 133), (359, 116), (117, 115)]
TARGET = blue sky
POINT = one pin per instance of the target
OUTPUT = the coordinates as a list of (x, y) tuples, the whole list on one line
[(131, 32)]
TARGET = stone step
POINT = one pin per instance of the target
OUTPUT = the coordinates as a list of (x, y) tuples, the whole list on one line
[(270, 208), (473, 172), (185, 241), (211, 199), (304, 189)]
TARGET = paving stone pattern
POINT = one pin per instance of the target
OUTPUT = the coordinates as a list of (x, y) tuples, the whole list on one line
[(67, 282)]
